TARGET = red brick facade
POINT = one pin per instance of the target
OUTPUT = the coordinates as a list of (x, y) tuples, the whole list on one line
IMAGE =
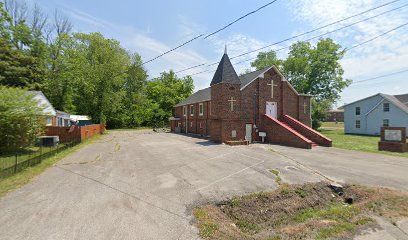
[(234, 107)]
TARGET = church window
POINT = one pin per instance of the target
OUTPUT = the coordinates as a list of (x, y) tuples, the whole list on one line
[(386, 107), (191, 110), (184, 111), (191, 124), (201, 109)]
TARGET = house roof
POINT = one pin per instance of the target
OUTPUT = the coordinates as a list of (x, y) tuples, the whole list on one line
[(400, 101), (248, 77), (39, 96), (225, 72), (79, 117), (199, 96)]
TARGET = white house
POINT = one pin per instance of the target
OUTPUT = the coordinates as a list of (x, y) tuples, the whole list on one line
[(368, 115), (48, 110)]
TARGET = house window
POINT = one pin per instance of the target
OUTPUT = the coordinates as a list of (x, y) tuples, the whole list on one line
[(179, 123), (184, 111), (358, 125), (386, 107), (49, 121), (201, 109), (200, 125), (191, 124), (191, 110), (386, 123), (358, 110)]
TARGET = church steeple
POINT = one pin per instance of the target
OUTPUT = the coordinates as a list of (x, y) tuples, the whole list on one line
[(225, 71)]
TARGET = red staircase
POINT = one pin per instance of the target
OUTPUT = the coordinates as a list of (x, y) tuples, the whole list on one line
[(307, 131), (294, 133)]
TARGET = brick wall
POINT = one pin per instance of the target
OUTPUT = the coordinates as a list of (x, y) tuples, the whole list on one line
[(276, 133)]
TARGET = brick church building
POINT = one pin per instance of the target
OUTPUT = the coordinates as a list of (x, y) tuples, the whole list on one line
[(247, 108)]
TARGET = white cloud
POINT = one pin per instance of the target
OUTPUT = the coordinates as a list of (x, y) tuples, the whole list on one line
[(381, 56)]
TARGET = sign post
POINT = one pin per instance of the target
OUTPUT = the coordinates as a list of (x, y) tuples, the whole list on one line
[(393, 139)]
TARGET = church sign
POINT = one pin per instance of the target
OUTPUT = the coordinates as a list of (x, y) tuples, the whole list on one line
[(393, 139), (392, 135)]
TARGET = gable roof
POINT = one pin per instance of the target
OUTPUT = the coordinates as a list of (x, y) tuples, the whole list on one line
[(401, 101), (225, 72), (199, 96), (248, 77), (39, 96), (396, 100)]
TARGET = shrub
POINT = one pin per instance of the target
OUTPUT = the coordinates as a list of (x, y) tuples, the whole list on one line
[(21, 119)]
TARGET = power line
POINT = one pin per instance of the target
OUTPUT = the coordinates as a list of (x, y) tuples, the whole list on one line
[(190, 68), (171, 50), (199, 36), (374, 38), (240, 18), (313, 30), (346, 49), (285, 40), (382, 76)]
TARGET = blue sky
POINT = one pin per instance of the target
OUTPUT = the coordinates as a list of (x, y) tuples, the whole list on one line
[(152, 27)]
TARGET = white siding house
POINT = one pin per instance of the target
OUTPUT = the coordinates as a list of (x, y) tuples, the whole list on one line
[(48, 110), (368, 115)]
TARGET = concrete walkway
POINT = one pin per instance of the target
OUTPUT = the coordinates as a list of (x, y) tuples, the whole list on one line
[(143, 185)]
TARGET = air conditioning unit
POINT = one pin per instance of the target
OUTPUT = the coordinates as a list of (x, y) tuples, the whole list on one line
[(48, 141)]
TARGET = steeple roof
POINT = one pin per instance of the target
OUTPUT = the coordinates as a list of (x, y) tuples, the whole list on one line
[(225, 72)]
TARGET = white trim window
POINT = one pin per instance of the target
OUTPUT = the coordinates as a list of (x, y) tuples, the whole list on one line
[(49, 121), (184, 110), (358, 124), (386, 107), (191, 110), (386, 123), (201, 109), (191, 124), (358, 111)]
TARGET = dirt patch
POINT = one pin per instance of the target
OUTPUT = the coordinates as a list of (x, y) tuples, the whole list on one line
[(309, 211)]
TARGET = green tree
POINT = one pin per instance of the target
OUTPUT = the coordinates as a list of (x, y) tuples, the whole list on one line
[(266, 59), (135, 101), (165, 92), (21, 119), (18, 69), (100, 67), (316, 70)]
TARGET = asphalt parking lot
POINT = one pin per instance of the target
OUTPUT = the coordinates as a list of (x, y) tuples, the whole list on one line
[(143, 185)]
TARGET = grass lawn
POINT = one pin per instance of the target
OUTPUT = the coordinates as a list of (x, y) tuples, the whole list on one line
[(353, 142), (309, 211), (9, 160), (19, 179)]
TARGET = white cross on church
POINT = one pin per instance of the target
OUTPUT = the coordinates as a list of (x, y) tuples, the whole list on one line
[(272, 85), (304, 107), (232, 100)]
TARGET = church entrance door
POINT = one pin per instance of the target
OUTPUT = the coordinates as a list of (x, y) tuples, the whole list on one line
[(272, 109), (248, 132)]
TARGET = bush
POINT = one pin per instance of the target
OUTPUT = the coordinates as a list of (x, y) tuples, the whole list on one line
[(21, 119)]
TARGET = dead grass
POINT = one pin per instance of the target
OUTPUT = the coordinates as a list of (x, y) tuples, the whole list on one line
[(309, 211)]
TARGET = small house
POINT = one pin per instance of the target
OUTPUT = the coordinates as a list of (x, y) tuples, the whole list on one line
[(366, 116), (49, 113)]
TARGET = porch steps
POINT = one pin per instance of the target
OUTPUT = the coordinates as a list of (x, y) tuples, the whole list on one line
[(314, 144)]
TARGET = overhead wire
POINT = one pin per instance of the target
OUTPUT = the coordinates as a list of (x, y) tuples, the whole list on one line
[(310, 31)]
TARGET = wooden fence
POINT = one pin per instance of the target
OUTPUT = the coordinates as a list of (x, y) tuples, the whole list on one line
[(75, 133)]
